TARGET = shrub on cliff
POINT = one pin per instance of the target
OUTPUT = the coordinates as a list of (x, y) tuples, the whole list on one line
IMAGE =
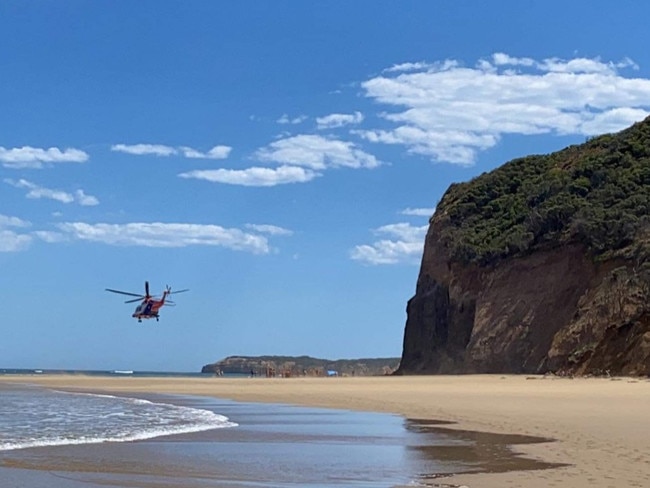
[(597, 194)]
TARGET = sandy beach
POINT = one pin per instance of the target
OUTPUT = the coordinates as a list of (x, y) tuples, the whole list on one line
[(601, 426)]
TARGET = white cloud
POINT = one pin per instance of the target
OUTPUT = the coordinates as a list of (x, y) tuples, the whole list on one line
[(50, 237), (85, 200), (273, 230), (35, 191), (34, 157), (339, 120), (7, 221), (11, 241), (584, 65), (217, 152), (144, 149), (255, 176), (500, 59), (613, 120), (154, 234), (419, 212), (407, 67), (285, 119), (449, 113), (157, 234), (316, 152), (406, 245), (299, 159)]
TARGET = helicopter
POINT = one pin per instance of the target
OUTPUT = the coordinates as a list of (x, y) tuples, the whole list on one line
[(150, 306)]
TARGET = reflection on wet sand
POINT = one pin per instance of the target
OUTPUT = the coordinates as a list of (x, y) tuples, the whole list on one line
[(478, 452)]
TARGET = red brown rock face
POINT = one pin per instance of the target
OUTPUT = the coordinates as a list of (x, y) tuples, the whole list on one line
[(551, 311)]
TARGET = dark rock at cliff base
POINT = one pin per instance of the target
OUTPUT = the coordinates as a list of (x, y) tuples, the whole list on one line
[(542, 265)]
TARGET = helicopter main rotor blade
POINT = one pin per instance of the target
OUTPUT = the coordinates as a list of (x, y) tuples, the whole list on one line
[(146, 287), (124, 292), (135, 299)]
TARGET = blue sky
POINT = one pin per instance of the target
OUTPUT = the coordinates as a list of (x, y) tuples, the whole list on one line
[(280, 159)]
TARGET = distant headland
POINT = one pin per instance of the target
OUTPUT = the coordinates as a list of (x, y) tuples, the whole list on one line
[(289, 366)]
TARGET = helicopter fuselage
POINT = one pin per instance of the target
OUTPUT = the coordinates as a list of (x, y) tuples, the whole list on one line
[(148, 309)]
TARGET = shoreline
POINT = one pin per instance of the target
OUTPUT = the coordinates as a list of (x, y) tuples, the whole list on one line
[(600, 425)]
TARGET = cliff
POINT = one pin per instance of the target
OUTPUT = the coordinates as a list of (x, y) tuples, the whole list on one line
[(301, 366), (541, 265)]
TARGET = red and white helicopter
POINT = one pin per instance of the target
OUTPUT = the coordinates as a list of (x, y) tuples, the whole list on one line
[(150, 306)]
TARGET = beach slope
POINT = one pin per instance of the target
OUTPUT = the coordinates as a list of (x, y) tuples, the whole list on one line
[(601, 426)]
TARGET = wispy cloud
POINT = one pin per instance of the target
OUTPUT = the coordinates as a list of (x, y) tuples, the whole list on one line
[(51, 237), (34, 157), (407, 67), (10, 240), (86, 200), (503, 59), (285, 119), (317, 153), (339, 120), (8, 221), (299, 159), (404, 244), (273, 230), (173, 235), (255, 176), (419, 212), (449, 112), (36, 191), (217, 152), (144, 149)]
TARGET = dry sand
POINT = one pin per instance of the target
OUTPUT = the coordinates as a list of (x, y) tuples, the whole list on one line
[(601, 426)]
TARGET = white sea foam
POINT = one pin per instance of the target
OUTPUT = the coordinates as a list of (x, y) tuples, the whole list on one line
[(35, 417)]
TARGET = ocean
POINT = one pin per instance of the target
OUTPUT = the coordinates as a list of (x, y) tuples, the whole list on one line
[(56, 439), (38, 417), (108, 372)]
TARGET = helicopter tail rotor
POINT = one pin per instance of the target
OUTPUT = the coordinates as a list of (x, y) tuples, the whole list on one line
[(168, 290), (178, 291)]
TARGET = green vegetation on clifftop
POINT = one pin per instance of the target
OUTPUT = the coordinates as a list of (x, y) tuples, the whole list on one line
[(597, 194)]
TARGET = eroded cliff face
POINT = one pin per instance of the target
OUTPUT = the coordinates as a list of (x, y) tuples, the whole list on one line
[(554, 310)]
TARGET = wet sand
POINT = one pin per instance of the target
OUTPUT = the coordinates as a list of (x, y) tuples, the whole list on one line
[(274, 446), (601, 426)]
